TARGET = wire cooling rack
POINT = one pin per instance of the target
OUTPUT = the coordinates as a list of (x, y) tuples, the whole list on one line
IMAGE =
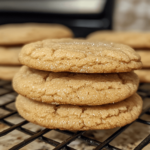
[(7, 97)]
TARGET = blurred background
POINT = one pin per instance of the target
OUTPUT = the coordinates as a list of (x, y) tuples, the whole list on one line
[(82, 16), (131, 15)]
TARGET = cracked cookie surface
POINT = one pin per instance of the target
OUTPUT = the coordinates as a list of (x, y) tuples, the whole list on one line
[(8, 72), (69, 117), (13, 34), (133, 39), (82, 56), (74, 88), (9, 55)]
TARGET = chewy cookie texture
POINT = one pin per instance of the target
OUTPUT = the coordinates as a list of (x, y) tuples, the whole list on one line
[(69, 117), (62, 77), (75, 88), (80, 56)]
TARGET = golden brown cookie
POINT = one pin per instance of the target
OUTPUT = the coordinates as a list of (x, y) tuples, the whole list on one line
[(8, 72), (144, 75), (145, 57), (69, 117), (12, 34), (75, 88), (134, 39), (82, 56), (9, 55)]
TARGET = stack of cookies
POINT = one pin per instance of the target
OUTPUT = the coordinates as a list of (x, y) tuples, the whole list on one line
[(9, 63), (140, 41), (73, 84), (13, 36)]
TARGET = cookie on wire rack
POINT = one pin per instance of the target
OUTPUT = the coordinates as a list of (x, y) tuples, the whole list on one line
[(69, 117)]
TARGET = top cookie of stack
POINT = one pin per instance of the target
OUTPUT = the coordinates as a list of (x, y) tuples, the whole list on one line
[(73, 74), (69, 55), (13, 36)]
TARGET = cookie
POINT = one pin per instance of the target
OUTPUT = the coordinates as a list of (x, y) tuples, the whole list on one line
[(9, 55), (82, 56), (133, 39), (69, 117), (145, 57), (12, 34), (8, 72), (144, 75), (75, 88)]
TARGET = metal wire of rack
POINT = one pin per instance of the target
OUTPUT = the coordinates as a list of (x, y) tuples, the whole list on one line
[(6, 89)]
